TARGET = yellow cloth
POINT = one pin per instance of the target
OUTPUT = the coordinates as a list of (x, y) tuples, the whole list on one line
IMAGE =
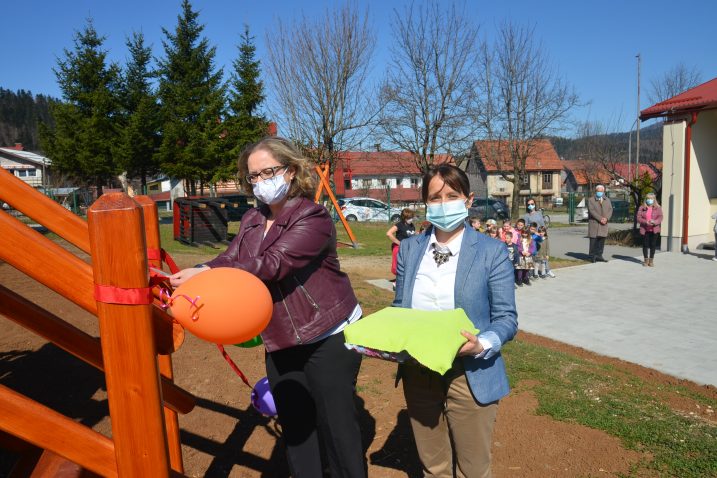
[(433, 338)]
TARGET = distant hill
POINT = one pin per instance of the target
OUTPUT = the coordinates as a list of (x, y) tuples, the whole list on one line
[(650, 144), (20, 114)]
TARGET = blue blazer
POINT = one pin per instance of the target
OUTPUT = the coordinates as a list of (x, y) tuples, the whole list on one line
[(484, 289)]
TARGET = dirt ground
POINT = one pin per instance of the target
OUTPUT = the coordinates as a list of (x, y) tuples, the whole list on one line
[(225, 437)]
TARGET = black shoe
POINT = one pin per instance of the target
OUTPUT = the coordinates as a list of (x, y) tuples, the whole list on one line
[(520, 284), (526, 282), (601, 259)]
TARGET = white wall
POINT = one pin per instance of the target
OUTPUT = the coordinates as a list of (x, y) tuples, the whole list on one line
[(703, 180)]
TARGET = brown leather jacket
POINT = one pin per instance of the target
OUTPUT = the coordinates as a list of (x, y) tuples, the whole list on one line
[(297, 261)]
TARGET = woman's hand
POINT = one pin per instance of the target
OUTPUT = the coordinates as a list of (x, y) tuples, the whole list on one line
[(185, 274), (472, 347)]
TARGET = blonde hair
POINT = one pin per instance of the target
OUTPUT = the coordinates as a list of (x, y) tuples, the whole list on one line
[(650, 195), (286, 153)]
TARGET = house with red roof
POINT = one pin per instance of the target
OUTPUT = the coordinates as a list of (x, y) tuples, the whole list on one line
[(488, 164), (385, 175), (581, 176), (689, 165)]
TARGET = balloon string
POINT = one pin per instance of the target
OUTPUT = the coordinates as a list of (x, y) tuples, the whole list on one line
[(233, 365), (167, 300)]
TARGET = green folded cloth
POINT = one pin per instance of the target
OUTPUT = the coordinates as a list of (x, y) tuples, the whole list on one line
[(433, 338)]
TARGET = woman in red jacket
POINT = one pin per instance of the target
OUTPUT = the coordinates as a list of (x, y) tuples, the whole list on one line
[(290, 244), (649, 217)]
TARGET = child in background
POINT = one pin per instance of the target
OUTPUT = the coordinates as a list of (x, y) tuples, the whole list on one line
[(475, 223), (512, 251), (492, 231), (519, 227), (544, 255), (526, 249), (507, 227)]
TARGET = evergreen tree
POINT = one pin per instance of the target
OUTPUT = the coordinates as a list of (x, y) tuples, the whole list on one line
[(139, 131), (244, 125), (20, 113), (81, 143), (192, 104)]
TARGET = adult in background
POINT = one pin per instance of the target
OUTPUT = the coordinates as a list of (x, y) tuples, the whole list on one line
[(599, 213), (532, 214), (453, 266), (649, 217), (403, 229), (290, 244)]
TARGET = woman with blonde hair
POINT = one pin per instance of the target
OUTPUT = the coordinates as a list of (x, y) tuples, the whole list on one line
[(289, 242), (649, 217)]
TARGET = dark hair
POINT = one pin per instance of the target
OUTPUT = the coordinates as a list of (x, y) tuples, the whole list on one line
[(543, 229), (407, 213), (534, 224), (527, 201), (520, 220), (452, 175), (508, 233)]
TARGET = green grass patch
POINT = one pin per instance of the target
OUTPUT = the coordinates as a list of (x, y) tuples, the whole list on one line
[(599, 396), (371, 238)]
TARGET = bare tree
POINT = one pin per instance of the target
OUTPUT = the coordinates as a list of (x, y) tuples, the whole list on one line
[(430, 90), (524, 101), (673, 82), (318, 71)]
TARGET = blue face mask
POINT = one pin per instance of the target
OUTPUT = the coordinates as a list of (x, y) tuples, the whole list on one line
[(531, 207), (649, 202), (599, 194), (447, 216)]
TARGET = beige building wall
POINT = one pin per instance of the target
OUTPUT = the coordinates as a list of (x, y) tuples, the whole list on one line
[(703, 180), (498, 187)]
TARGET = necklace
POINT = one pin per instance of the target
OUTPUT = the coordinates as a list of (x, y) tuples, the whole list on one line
[(439, 256)]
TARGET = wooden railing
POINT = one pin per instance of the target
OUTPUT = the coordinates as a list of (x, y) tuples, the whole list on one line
[(117, 235)]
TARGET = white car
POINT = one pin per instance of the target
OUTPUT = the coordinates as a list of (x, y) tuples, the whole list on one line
[(581, 211), (368, 209)]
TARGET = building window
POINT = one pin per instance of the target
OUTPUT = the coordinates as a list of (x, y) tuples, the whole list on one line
[(547, 180), (32, 172), (524, 181), (22, 173), (347, 184)]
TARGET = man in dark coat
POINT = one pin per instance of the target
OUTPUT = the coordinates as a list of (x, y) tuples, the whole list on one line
[(599, 213)]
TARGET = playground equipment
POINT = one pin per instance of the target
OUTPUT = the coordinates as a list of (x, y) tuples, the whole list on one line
[(136, 336), (323, 172)]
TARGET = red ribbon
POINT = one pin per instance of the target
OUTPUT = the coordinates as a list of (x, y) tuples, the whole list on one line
[(109, 294), (233, 365), (163, 256)]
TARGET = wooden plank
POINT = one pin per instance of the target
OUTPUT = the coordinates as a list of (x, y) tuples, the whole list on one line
[(52, 465), (75, 341), (44, 210), (120, 259), (45, 428)]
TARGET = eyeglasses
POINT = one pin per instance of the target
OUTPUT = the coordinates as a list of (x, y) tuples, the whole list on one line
[(266, 173)]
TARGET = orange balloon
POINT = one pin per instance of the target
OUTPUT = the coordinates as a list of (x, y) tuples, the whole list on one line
[(223, 305)]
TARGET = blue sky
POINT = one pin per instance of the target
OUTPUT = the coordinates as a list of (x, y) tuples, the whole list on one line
[(593, 44)]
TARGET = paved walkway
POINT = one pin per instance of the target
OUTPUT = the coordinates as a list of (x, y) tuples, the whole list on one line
[(663, 318)]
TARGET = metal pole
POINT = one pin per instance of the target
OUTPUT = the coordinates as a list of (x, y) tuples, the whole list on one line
[(637, 158)]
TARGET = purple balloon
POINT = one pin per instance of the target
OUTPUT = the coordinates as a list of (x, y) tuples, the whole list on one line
[(262, 399)]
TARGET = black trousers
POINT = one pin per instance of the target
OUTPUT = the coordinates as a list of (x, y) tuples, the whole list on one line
[(649, 242), (597, 245), (313, 387)]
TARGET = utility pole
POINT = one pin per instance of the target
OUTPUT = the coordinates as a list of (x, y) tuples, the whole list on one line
[(637, 158)]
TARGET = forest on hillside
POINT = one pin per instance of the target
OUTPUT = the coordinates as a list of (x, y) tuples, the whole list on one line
[(21, 113)]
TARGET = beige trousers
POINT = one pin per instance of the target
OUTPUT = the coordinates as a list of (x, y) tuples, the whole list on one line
[(447, 422)]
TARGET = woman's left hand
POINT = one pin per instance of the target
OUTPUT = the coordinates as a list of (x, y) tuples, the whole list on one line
[(472, 347)]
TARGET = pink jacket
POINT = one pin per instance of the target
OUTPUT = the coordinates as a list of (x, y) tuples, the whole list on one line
[(656, 219)]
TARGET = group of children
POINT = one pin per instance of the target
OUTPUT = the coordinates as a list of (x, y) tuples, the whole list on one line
[(528, 247)]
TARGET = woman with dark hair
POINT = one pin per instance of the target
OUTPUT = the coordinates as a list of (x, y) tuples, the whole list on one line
[(649, 217), (452, 266), (533, 215), (290, 244), (403, 229)]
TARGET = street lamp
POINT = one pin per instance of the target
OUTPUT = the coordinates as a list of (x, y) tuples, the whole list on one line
[(629, 151)]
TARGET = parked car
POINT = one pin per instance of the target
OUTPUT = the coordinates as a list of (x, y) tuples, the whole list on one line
[(368, 209), (496, 209), (558, 201)]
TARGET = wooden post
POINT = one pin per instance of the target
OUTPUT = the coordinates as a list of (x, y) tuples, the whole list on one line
[(324, 184), (151, 231), (119, 255)]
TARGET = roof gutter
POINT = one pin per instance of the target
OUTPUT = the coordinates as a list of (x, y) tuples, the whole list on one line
[(686, 188)]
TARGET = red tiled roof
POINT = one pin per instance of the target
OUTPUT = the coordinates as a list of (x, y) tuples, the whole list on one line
[(496, 156), (581, 170), (373, 163), (700, 97)]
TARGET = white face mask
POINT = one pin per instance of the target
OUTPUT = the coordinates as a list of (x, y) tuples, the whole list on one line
[(272, 190)]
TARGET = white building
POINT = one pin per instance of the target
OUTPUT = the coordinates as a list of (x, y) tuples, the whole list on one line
[(30, 167)]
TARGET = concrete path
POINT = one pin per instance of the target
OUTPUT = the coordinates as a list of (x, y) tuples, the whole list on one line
[(572, 243), (663, 318)]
